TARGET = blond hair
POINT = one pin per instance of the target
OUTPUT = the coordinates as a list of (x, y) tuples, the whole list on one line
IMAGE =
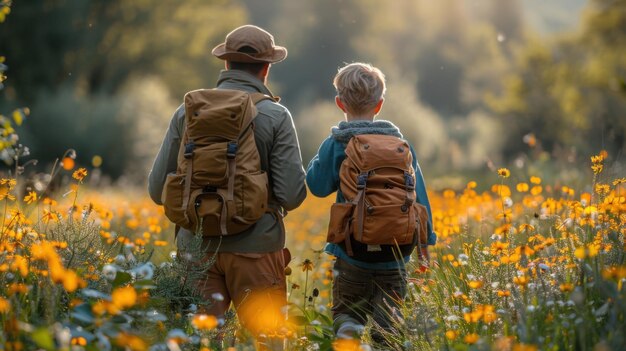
[(360, 86)]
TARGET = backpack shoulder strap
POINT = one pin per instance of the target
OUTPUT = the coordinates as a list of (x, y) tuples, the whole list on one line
[(258, 97)]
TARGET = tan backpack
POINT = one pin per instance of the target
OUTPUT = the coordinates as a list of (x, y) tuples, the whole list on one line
[(219, 187), (377, 180)]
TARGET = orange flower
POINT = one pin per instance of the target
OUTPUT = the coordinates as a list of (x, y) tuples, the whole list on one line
[(347, 345), (204, 322), (80, 174), (5, 305), (471, 338), (68, 163), (124, 297)]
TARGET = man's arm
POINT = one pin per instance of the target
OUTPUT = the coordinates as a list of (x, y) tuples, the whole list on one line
[(286, 165), (167, 158)]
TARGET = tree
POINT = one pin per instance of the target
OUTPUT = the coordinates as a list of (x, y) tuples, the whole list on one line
[(568, 91)]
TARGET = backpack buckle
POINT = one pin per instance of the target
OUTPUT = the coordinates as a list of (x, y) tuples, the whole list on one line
[(189, 149), (409, 182), (361, 180), (231, 149)]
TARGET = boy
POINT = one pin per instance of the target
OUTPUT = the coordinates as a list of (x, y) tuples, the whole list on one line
[(367, 277)]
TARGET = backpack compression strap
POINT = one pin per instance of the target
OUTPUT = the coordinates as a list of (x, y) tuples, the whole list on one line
[(359, 202), (231, 154)]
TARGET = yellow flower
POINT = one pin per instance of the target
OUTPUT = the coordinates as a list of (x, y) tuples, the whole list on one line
[(504, 293), (535, 180), (20, 264), (9, 182), (589, 251), (536, 190), (619, 181), (71, 281), (124, 297), (160, 243), (597, 168), (130, 342), (80, 174), (204, 322), (307, 265), (602, 189), (31, 197), (47, 216), (566, 287), (521, 280), (522, 187), (504, 172), (5, 193), (451, 335)]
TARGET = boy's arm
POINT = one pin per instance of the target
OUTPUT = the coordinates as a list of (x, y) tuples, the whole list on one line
[(167, 158), (323, 172), (422, 198)]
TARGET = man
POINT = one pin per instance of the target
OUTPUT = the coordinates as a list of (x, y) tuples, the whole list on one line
[(249, 267)]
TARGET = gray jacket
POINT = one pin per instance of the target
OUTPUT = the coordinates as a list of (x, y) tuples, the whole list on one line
[(278, 147)]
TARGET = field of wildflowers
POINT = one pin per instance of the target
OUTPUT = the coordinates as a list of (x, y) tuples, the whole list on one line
[(523, 265)]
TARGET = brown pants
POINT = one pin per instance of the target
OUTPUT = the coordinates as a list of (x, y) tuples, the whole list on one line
[(253, 282)]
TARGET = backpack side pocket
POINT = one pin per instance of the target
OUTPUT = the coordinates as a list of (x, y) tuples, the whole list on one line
[(338, 226), (172, 199)]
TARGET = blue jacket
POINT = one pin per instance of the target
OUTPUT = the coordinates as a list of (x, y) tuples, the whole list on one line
[(323, 177)]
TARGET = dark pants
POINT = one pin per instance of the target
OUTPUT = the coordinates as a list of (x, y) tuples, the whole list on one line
[(359, 293)]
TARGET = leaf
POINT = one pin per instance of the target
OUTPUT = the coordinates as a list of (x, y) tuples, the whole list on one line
[(121, 278), (602, 310), (43, 338), (82, 313), (299, 320), (95, 294)]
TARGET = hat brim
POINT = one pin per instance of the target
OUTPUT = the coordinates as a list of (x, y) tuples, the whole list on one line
[(278, 54)]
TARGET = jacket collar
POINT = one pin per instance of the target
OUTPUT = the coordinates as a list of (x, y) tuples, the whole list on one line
[(240, 80), (346, 130)]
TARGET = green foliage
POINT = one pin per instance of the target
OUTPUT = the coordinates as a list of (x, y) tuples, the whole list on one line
[(568, 91)]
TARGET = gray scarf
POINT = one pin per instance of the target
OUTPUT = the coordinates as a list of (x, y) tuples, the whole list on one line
[(344, 131)]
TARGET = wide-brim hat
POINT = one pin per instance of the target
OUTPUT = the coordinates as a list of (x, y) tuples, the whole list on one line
[(250, 44)]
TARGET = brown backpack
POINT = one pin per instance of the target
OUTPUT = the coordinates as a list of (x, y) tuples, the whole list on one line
[(219, 187), (377, 180)]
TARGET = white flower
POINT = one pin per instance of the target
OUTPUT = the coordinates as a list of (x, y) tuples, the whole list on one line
[(452, 318), (496, 237), (109, 271), (507, 202), (217, 297), (120, 259), (145, 271)]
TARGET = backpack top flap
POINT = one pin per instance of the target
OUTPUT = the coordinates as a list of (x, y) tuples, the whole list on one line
[(373, 151), (217, 113)]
